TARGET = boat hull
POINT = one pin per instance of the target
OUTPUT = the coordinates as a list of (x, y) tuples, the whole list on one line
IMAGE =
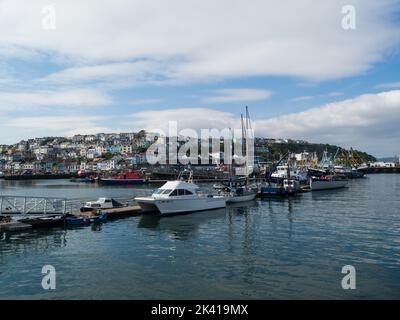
[(355, 174), (317, 185), (176, 206), (241, 198), (122, 181), (82, 221), (275, 191)]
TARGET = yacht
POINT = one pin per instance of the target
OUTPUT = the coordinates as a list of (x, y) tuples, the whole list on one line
[(179, 197)]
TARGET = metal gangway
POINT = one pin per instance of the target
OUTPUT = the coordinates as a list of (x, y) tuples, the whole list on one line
[(22, 205), (27, 206)]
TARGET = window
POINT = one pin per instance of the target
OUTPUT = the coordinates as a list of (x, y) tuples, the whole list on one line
[(166, 191), (174, 193), (187, 192), (181, 192), (108, 201)]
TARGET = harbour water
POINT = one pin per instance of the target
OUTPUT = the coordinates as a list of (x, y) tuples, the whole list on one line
[(269, 249)]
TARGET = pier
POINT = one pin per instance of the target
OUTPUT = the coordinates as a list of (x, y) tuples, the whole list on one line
[(18, 213), (383, 170)]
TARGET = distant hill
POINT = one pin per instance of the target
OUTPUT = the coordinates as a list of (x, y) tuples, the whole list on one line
[(278, 149), (387, 159)]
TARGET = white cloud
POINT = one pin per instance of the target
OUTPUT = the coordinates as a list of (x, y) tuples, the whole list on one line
[(238, 95), (335, 94), (62, 125), (144, 101), (102, 72), (12, 101), (389, 85), (302, 98), (202, 39), (369, 122)]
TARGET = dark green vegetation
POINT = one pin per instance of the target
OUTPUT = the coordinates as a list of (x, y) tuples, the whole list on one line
[(272, 151)]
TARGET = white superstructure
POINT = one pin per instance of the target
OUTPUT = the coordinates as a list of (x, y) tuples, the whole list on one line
[(179, 197), (281, 172)]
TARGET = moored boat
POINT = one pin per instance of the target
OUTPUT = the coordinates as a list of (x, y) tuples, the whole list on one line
[(101, 203), (128, 178), (287, 188), (84, 221), (284, 172), (241, 194), (327, 182), (179, 197), (356, 174)]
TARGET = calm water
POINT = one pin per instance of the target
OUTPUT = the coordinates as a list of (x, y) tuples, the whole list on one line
[(271, 249)]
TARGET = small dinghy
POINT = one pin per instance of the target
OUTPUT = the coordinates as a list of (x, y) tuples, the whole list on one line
[(85, 221)]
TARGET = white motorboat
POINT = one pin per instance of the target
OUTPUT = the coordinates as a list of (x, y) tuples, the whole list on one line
[(327, 183), (101, 203), (179, 197)]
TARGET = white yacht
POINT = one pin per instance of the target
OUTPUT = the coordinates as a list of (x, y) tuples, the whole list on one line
[(179, 197)]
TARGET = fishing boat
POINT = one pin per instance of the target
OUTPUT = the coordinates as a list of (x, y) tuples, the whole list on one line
[(287, 188), (280, 187), (284, 171), (180, 196), (327, 182), (85, 221), (127, 178)]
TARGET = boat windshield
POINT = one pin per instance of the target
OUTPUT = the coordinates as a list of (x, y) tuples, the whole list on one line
[(180, 192)]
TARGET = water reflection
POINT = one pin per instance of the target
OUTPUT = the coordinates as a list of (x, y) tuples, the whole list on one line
[(180, 227), (32, 241)]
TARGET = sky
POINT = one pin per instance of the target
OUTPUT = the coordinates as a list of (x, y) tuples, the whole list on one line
[(311, 70)]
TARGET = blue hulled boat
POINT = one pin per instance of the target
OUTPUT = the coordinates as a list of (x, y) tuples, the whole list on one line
[(84, 221)]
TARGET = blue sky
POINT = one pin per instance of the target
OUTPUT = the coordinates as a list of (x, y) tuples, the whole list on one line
[(69, 67)]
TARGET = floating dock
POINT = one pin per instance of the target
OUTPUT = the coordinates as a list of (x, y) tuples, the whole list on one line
[(116, 213)]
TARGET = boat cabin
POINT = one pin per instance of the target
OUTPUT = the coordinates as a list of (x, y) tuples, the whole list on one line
[(176, 189), (101, 203)]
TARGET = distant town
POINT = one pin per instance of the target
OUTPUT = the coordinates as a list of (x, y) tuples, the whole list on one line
[(110, 152)]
